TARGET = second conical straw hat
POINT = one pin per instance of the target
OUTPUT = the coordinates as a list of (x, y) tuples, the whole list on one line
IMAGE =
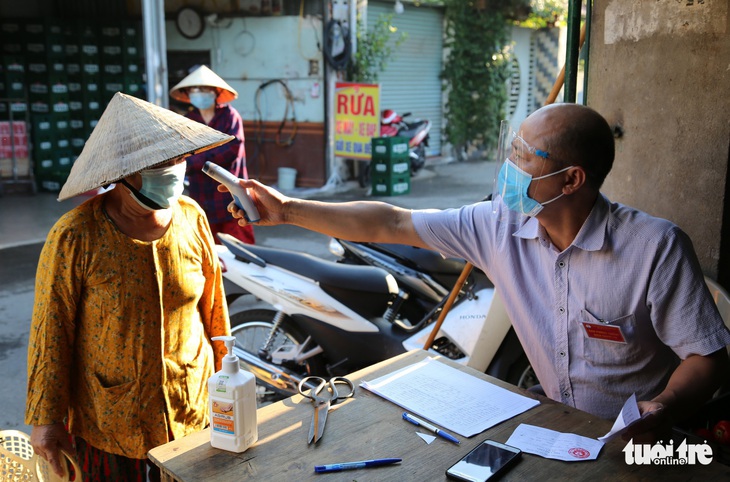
[(132, 135), (203, 77)]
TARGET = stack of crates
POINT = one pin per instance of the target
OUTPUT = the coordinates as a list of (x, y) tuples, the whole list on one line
[(12, 72), (390, 166), (14, 146), (48, 100), (67, 71), (12, 86), (120, 59)]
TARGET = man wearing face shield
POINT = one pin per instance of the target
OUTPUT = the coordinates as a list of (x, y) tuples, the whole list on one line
[(128, 295), (209, 96), (606, 300)]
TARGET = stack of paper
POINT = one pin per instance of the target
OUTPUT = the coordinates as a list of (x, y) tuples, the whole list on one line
[(449, 397)]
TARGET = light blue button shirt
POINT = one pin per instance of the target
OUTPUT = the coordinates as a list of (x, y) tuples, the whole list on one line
[(624, 269)]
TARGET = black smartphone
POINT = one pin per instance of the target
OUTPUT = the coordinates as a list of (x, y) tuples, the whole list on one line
[(488, 460)]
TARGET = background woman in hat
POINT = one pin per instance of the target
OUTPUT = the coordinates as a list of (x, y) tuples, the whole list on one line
[(209, 96), (128, 295)]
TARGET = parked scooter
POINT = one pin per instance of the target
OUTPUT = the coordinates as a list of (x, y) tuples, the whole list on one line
[(417, 132), (331, 319), (428, 277)]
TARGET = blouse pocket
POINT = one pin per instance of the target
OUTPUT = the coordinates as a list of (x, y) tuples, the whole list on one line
[(116, 406), (609, 341)]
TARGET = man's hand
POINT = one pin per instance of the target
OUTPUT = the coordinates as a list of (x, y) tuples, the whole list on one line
[(655, 424), (692, 384), (47, 442), (268, 201)]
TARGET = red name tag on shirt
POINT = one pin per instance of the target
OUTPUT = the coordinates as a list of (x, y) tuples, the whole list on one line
[(604, 332)]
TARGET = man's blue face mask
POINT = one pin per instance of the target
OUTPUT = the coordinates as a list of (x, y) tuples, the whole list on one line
[(513, 184)]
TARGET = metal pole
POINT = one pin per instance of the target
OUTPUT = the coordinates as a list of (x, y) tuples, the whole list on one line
[(155, 47), (572, 47), (587, 51), (329, 78)]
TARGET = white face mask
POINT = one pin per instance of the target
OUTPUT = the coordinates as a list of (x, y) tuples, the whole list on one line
[(160, 186), (202, 100)]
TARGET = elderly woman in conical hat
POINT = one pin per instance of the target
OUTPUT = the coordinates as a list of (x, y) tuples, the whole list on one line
[(129, 294), (209, 96)]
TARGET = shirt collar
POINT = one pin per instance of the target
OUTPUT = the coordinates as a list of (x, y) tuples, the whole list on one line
[(591, 236)]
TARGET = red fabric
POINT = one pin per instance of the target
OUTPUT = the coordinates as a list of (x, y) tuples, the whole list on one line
[(100, 466), (230, 156), (232, 227)]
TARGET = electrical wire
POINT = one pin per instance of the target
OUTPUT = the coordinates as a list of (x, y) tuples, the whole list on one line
[(289, 103), (299, 34), (333, 30)]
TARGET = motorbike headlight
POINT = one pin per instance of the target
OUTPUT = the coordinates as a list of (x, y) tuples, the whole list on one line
[(336, 248)]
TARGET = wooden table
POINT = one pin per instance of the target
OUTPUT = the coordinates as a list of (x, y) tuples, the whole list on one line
[(369, 427)]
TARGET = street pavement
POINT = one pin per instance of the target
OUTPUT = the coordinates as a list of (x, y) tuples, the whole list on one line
[(26, 219)]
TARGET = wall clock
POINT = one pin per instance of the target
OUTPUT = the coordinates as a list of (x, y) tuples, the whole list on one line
[(189, 23)]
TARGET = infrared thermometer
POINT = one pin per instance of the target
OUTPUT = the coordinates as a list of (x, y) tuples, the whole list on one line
[(239, 193)]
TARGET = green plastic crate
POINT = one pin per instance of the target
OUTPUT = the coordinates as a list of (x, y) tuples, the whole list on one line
[(390, 185), (389, 148), (392, 167)]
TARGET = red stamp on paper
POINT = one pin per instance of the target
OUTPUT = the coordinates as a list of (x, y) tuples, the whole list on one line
[(579, 453)]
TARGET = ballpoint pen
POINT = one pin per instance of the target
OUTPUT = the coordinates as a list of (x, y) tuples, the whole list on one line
[(320, 469), (429, 427)]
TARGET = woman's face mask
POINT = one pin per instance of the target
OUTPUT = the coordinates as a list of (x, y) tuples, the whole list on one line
[(513, 184), (202, 100), (160, 186)]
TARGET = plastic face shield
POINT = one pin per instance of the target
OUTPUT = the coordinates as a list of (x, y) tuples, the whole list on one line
[(512, 151)]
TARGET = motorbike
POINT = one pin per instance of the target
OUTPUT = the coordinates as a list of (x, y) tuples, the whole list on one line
[(416, 131), (428, 278), (326, 318)]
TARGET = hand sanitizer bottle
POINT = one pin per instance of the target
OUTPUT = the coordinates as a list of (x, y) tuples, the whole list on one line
[(232, 401)]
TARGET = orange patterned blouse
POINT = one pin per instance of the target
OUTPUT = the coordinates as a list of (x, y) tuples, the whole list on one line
[(120, 336)]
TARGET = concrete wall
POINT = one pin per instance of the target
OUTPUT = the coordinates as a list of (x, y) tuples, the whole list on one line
[(247, 52), (660, 71)]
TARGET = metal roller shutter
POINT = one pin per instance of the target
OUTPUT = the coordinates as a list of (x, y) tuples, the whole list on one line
[(410, 82)]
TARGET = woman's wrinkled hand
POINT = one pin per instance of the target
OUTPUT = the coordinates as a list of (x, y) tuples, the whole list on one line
[(48, 441)]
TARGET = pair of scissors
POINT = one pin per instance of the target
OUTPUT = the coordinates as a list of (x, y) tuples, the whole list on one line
[(323, 396)]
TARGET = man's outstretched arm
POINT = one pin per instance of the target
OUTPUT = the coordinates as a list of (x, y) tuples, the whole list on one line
[(370, 221)]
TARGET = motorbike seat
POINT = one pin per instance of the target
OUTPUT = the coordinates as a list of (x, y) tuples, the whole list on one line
[(421, 259), (411, 129), (326, 273)]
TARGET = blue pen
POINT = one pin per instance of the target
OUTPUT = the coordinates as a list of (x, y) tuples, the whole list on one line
[(321, 469), (429, 427)]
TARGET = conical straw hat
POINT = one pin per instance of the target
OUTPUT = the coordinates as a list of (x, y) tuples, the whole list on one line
[(132, 135), (203, 76)]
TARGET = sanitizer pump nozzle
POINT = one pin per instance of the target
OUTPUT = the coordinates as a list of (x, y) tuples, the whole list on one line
[(230, 361)]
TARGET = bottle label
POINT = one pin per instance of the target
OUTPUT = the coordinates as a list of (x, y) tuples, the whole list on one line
[(223, 417), (220, 385)]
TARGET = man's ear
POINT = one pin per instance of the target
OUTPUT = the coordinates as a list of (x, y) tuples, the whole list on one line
[(576, 178)]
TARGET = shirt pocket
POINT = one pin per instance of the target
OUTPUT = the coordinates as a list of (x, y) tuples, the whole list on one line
[(608, 342)]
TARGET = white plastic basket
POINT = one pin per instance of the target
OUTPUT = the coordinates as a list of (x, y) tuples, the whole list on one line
[(18, 461)]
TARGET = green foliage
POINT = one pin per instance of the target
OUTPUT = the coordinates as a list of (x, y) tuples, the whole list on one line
[(476, 71), (375, 46), (546, 14)]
